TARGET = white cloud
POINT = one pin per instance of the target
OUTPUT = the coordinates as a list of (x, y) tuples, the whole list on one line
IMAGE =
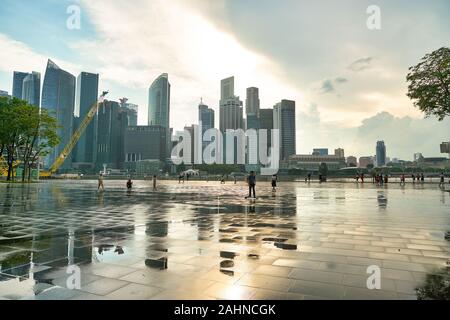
[(17, 56), (138, 40)]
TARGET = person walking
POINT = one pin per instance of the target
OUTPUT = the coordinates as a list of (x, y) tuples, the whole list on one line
[(154, 182), (441, 180), (129, 185), (422, 177), (274, 183), (251, 180), (309, 177), (402, 179), (100, 182)]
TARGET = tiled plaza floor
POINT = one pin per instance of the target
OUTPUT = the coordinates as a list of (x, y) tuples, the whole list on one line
[(202, 240)]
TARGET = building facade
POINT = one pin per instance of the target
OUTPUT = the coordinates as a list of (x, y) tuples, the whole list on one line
[(159, 105), (31, 89), (86, 96), (144, 143), (380, 154), (58, 96), (284, 120), (17, 88)]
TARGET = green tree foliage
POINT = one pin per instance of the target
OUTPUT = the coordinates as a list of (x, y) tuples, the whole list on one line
[(429, 84), (26, 133)]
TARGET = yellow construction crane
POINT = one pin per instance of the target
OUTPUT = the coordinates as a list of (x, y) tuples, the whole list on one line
[(74, 139)]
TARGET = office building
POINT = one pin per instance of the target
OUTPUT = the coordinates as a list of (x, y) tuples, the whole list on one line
[(380, 154), (31, 88), (58, 96), (159, 105), (284, 120), (86, 96), (312, 162), (111, 124), (132, 111), (339, 152), (17, 88), (144, 143), (206, 118)]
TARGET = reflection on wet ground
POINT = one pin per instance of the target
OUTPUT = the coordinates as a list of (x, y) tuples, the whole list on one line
[(202, 240)]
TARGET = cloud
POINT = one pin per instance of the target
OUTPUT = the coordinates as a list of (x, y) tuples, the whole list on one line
[(361, 64), (153, 37), (17, 56), (328, 85)]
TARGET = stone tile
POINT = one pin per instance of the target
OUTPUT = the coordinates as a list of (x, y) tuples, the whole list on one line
[(103, 286), (134, 291)]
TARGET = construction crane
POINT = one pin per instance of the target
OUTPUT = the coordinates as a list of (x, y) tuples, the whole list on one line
[(74, 139)]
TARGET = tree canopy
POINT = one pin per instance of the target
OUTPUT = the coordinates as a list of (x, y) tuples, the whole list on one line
[(429, 84), (26, 134)]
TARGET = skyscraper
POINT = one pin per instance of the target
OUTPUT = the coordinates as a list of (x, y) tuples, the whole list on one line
[(31, 88), (111, 124), (206, 118), (284, 120), (252, 102), (266, 122), (231, 113), (132, 110), (380, 154), (86, 96), (58, 96), (159, 105), (18, 84)]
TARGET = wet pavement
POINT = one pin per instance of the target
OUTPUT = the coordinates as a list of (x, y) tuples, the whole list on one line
[(202, 240)]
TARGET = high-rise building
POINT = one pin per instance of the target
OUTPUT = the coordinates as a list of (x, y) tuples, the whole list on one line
[(266, 122), (4, 93), (17, 88), (111, 124), (339, 152), (320, 151), (86, 96), (206, 118), (144, 143), (284, 120), (159, 105), (380, 154), (231, 113), (132, 111), (352, 161), (58, 96), (252, 102), (31, 88)]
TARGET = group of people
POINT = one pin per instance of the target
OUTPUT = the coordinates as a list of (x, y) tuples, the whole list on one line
[(129, 183)]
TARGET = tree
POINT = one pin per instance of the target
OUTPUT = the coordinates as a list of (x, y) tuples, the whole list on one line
[(26, 133), (429, 84)]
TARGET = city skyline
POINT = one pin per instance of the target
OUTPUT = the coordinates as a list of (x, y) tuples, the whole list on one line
[(350, 104)]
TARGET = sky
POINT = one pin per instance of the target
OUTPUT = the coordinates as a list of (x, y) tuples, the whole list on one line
[(348, 81)]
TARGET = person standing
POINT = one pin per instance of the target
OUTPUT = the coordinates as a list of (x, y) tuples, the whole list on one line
[(309, 177), (402, 179), (441, 180), (129, 185), (251, 179), (100, 182), (154, 182), (274, 182)]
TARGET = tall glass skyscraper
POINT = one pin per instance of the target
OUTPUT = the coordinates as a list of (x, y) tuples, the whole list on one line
[(380, 153), (58, 96), (31, 88), (284, 120), (86, 96), (17, 88), (159, 105)]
